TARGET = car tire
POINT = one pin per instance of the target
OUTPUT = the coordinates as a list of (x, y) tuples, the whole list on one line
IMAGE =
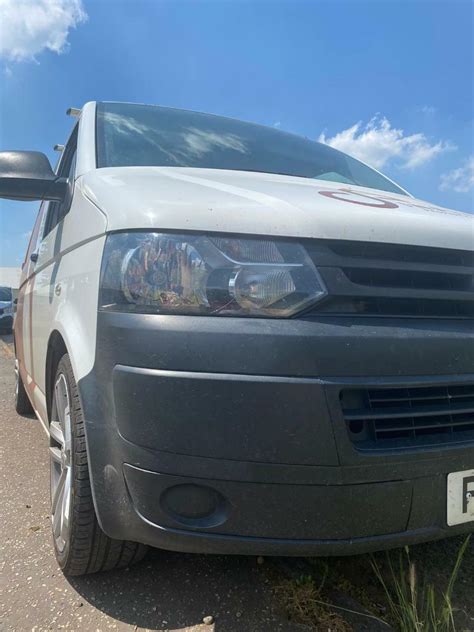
[(80, 545), (22, 401)]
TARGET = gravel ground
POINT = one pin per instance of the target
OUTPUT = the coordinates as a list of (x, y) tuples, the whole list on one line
[(167, 591)]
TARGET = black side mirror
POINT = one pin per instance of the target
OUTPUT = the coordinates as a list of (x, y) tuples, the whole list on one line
[(27, 175)]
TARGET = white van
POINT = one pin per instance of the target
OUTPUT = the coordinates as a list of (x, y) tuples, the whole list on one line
[(240, 341)]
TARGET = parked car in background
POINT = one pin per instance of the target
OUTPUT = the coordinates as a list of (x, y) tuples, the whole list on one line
[(240, 341), (6, 309)]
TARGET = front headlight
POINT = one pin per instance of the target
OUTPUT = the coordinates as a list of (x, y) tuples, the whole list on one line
[(167, 273)]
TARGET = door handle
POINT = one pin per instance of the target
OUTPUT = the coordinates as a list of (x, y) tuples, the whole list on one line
[(34, 257)]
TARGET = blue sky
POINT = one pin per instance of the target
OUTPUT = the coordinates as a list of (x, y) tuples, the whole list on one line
[(390, 82)]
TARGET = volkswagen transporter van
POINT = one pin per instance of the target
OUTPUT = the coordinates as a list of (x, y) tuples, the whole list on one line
[(240, 341)]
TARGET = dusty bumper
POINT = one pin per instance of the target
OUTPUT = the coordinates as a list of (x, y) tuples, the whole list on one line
[(189, 455)]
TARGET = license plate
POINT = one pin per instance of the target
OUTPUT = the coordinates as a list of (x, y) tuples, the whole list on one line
[(460, 497)]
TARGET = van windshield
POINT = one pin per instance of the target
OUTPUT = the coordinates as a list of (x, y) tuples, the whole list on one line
[(144, 135), (5, 294)]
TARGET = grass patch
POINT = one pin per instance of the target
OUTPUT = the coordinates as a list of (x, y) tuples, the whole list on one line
[(428, 588), (418, 605), (302, 599)]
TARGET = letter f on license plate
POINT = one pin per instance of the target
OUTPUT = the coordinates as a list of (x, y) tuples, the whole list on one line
[(460, 497)]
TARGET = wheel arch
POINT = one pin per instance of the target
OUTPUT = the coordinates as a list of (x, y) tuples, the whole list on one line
[(56, 349)]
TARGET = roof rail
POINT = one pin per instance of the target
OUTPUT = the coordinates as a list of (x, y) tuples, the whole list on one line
[(74, 112)]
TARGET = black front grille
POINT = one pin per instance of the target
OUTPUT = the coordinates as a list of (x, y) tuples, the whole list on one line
[(393, 307), (396, 252), (379, 418), (409, 279), (373, 279)]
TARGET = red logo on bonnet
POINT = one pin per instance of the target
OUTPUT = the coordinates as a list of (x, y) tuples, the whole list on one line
[(336, 196)]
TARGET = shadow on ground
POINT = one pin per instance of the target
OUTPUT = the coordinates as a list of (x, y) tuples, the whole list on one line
[(175, 590)]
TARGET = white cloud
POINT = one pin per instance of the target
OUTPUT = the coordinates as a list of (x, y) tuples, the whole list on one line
[(27, 27), (429, 110), (378, 142), (460, 180)]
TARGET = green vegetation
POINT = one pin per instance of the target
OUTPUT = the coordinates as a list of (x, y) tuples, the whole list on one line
[(409, 590), (416, 605)]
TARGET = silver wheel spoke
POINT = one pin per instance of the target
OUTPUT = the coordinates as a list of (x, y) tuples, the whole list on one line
[(67, 431), (57, 523), (56, 432), (55, 454), (59, 396), (59, 491), (66, 501)]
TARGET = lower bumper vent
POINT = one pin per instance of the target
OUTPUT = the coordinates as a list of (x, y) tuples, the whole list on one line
[(379, 418)]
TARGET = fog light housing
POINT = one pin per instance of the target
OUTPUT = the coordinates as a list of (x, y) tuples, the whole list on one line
[(194, 505)]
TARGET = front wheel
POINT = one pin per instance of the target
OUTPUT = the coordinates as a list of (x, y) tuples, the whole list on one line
[(80, 544)]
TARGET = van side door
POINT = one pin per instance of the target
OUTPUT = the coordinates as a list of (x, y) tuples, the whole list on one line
[(46, 267), (22, 323)]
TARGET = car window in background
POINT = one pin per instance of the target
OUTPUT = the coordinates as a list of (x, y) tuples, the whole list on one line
[(5, 294), (144, 135)]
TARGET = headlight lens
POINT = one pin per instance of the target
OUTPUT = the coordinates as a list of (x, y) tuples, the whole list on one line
[(167, 273)]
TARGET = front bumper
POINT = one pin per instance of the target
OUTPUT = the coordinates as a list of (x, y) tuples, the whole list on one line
[(226, 435)]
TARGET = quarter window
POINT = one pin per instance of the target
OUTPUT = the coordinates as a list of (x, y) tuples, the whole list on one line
[(66, 169)]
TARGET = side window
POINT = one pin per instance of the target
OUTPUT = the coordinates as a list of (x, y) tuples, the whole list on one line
[(52, 218), (66, 169), (35, 234)]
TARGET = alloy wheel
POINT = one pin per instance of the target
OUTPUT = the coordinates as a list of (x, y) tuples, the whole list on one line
[(61, 463)]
